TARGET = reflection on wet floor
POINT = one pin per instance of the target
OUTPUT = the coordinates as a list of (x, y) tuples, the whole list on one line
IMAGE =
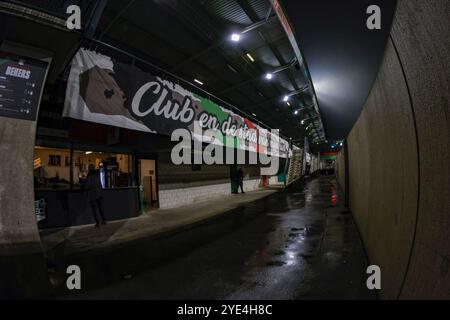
[(297, 244)]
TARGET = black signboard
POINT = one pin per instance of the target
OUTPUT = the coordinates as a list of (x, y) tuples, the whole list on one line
[(21, 81)]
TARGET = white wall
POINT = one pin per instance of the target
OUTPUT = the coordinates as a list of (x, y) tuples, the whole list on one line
[(186, 196)]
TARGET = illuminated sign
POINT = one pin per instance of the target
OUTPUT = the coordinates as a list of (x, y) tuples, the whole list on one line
[(21, 82)]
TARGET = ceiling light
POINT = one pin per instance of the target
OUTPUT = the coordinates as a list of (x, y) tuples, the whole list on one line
[(269, 76), (254, 115), (288, 103), (303, 122), (250, 57), (231, 68), (286, 98), (89, 152), (198, 81), (296, 112), (235, 37)]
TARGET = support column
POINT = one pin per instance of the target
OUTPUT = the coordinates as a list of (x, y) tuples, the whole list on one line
[(22, 265)]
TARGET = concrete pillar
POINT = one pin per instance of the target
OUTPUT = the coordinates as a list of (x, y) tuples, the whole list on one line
[(22, 265)]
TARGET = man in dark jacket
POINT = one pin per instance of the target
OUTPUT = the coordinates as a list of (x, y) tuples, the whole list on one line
[(94, 189)]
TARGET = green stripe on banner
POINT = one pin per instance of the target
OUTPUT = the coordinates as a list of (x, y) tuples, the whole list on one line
[(328, 157)]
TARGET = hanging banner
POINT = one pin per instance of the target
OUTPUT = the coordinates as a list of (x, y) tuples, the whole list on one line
[(105, 91)]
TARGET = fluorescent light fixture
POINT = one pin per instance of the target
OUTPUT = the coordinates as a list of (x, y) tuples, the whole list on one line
[(231, 68), (288, 103), (286, 98), (250, 57), (303, 122), (254, 114), (236, 37), (269, 76), (198, 81), (296, 112), (89, 152)]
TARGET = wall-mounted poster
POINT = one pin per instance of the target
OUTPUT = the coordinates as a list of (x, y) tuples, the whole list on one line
[(109, 92), (21, 83)]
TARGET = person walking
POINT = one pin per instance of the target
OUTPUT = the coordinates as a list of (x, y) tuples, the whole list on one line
[(94, 189)]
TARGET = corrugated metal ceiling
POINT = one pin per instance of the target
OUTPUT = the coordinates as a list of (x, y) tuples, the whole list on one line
[(191, 38)]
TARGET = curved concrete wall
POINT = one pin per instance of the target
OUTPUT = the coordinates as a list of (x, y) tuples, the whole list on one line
[(399, 160), (421, 35), (384, 174)]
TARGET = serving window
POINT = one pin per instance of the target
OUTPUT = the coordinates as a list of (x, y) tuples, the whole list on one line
[(115, 170), (51, 168), (59, 168)]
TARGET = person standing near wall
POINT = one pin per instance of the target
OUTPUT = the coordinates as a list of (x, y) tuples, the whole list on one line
[(234, 179), (95, 195), (240, 179)]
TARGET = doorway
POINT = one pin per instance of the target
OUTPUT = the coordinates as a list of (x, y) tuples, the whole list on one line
[(147, 179)]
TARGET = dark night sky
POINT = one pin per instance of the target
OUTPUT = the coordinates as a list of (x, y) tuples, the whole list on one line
[(343, 56)]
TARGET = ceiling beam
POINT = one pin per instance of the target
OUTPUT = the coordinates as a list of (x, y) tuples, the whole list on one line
[(160, 39), (116, 18), (246, 7), (201, 53), (243, 69), (94, 18), (241, 84)]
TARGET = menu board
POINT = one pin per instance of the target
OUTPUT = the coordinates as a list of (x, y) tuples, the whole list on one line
[(21, 82)]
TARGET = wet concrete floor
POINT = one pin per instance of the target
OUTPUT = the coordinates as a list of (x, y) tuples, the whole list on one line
[(296, 244)]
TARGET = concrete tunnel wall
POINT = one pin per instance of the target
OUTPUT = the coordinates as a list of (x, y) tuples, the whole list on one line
[(399, 159)]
